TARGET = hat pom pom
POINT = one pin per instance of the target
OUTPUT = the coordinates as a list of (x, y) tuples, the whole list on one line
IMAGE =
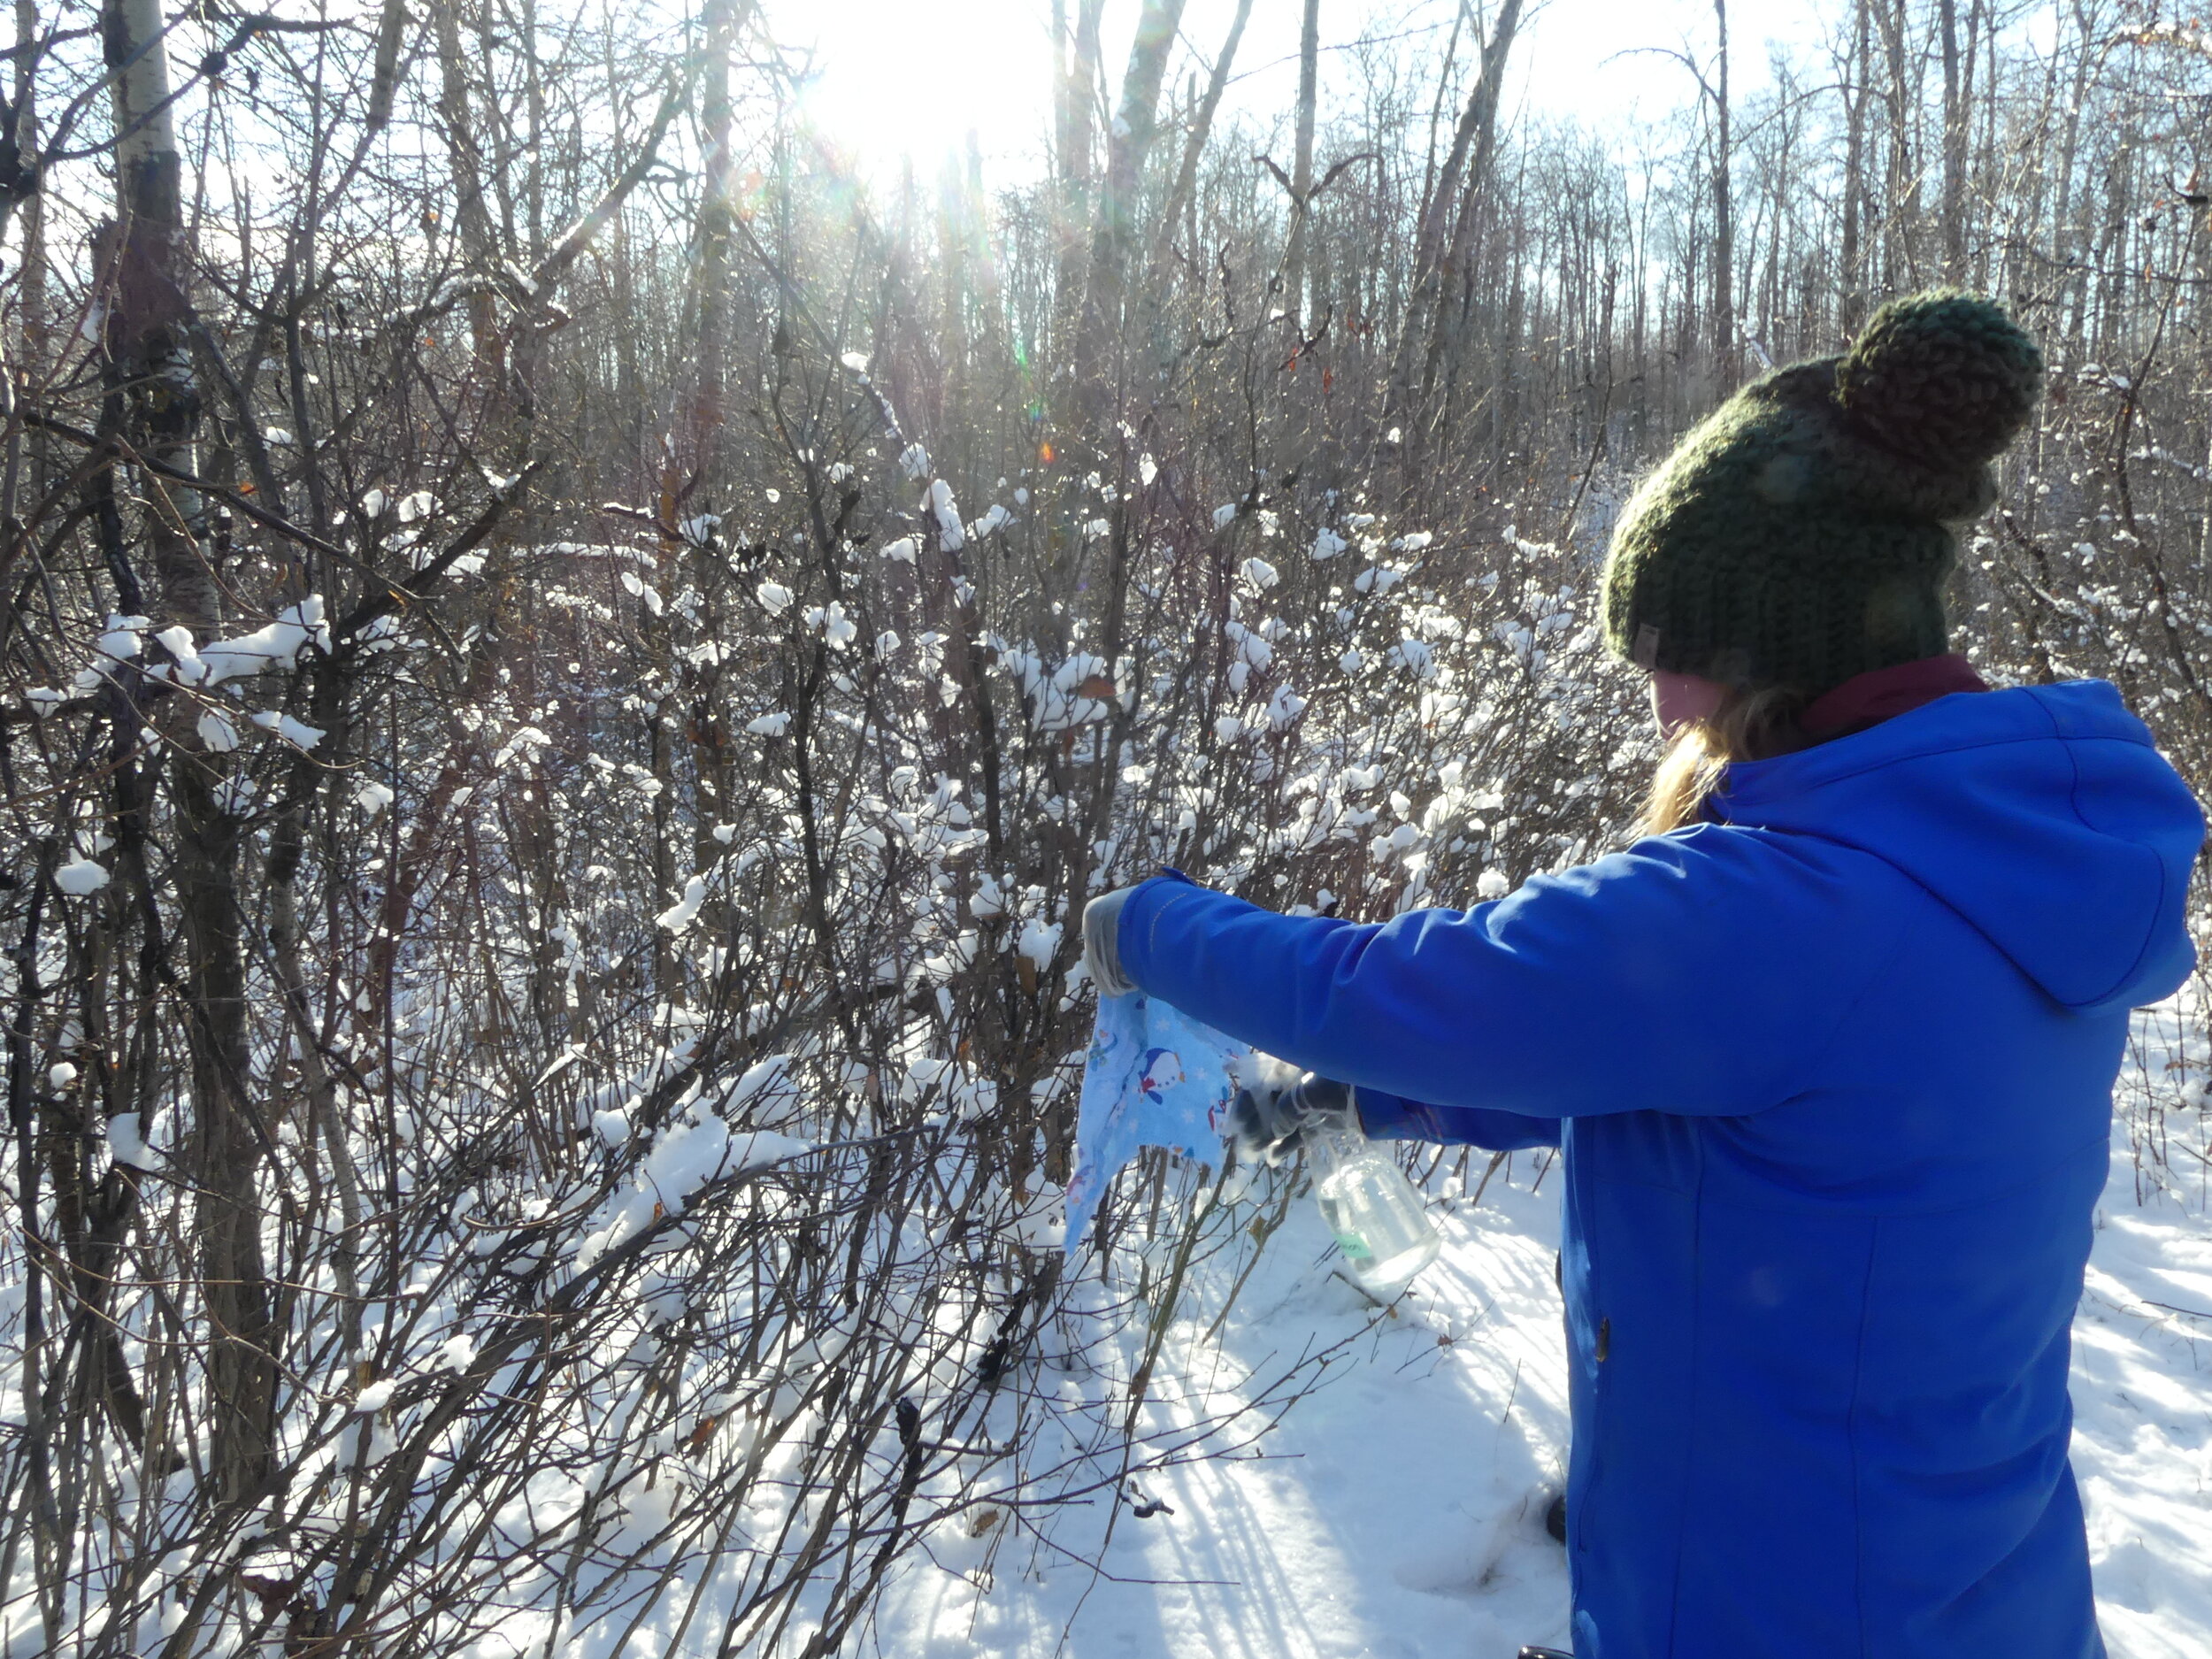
[(1944, 378)]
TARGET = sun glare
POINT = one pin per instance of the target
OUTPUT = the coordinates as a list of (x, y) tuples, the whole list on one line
[(900, 83), (897, 83)]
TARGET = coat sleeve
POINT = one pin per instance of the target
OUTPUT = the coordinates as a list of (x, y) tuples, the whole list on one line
[(1702, 972), (1387, 1117)]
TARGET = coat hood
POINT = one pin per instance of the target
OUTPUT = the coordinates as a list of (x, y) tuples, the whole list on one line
[(2045, 816)]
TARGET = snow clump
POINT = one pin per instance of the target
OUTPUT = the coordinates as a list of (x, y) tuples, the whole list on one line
[(277, 646), (218, 735), (832, 620), (696, 1149), (1040, 941), (79, 877), (455, 1354), (375, 1397), (125, 1145), (297, 733), (949, 531), (685, 910)]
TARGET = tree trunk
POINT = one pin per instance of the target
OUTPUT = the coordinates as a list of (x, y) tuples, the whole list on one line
[(1954, 137), (2067, 231), (479, 243), (1302, 165), (1726, 357), (1901, 195), (1078, 58), (1135, 123), (1185, 186), (1437, 235), (1453, 326), (146, 343), (1851, 301), (37, 352), (711, 273), (391, 32)]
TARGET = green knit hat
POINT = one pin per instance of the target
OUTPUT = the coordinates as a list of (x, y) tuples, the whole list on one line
[(1802, 533)]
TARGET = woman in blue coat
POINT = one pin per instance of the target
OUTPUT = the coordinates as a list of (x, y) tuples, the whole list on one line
[(1828, 1051)]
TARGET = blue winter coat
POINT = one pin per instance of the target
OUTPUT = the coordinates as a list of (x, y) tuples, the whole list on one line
[(1831, 1077)]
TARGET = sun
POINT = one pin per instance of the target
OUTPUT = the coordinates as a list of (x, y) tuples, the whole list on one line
[(906, 83)]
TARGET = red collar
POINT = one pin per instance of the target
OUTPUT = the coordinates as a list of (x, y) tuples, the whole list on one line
[(1869, 699)]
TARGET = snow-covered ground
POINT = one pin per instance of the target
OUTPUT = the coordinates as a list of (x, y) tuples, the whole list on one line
[(2143, 1425), (1397, 1510)]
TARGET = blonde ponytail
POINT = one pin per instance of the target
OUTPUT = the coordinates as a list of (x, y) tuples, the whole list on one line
[(1747, 726)]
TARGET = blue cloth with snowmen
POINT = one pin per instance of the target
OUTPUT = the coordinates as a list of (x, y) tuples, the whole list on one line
[(1153, 1077)]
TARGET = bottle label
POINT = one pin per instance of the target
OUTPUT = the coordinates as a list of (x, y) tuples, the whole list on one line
[(1354, 1245)]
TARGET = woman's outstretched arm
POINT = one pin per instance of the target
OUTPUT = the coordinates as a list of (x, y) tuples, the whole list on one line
[(1386, 1116), (1702, 971)]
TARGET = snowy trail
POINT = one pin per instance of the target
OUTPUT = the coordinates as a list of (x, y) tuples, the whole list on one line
[(1397, 1512)]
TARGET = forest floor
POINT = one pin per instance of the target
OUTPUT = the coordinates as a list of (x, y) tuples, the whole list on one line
[(1396, 1511)]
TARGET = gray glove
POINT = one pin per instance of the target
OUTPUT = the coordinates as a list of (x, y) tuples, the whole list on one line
[(1269, 1123), (1102, 943)]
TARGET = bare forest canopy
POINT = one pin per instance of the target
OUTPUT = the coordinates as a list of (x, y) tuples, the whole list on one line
[(566, 666)]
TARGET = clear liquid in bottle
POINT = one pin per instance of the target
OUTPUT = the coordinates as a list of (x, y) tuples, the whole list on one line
[(1382, 1227)]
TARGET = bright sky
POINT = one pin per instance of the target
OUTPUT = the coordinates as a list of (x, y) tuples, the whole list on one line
[(903, 78)]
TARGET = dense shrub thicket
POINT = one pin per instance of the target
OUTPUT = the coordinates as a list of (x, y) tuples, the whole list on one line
[(565, 670)]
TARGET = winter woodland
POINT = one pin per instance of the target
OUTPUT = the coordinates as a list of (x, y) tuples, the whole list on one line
[(569, 655)]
